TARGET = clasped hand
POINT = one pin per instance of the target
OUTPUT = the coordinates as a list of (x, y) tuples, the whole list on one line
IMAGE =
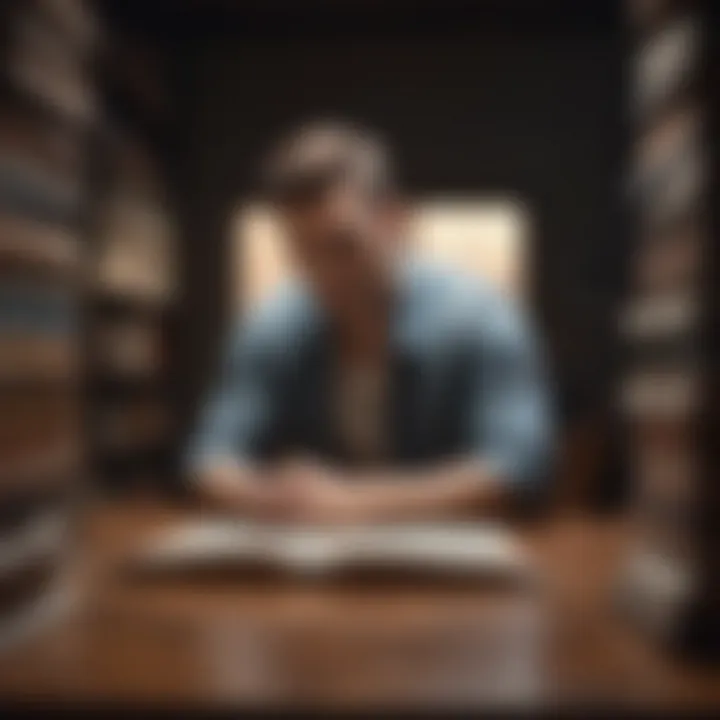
[(303, 490)]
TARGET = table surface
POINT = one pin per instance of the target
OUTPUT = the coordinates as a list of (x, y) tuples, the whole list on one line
[(238, 642)]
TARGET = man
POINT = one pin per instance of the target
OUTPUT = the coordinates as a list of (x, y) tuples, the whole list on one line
[(376, 388)]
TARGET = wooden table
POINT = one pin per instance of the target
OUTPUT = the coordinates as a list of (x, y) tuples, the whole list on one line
[(259, 644)]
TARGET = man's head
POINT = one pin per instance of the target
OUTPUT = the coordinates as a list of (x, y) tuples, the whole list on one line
[(333, 188)]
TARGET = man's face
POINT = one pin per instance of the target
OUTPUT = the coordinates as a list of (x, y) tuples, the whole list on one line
[(344, 244)]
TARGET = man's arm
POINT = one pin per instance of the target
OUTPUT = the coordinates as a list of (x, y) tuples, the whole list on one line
[(511, 423), (236, 420), (463, 488)]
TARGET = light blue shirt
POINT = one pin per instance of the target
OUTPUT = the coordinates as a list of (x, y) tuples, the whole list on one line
[(465, 379)]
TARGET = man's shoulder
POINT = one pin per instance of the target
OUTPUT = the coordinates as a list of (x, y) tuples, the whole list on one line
[(451, 304), (280, 323)]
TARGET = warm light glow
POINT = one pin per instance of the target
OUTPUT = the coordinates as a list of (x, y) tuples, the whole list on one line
[(486, 237)]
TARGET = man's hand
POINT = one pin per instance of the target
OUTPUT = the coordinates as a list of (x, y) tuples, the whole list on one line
[(307, 491), (294, 490), (232, 488)]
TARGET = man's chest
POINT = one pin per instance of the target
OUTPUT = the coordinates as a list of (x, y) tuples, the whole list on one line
[(407, 409)]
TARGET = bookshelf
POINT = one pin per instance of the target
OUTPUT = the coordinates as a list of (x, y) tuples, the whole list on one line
[(668, 323), (47, 118), (134, 290), (88, 285)]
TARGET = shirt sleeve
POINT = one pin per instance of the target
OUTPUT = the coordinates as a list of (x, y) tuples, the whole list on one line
[(510, 418), (237, 418)]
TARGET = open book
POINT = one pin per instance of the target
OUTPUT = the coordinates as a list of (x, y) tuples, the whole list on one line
[(430, 550)]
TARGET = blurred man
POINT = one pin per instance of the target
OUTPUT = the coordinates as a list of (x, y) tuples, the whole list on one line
[(377, 388)]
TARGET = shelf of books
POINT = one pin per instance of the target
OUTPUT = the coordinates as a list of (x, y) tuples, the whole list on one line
[(667, 324), (134, 293), (47, 115)]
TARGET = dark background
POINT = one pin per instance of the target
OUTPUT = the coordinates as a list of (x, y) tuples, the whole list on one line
[(511, 96)]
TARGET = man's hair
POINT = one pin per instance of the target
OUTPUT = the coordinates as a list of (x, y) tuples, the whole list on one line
[(319, 156)]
